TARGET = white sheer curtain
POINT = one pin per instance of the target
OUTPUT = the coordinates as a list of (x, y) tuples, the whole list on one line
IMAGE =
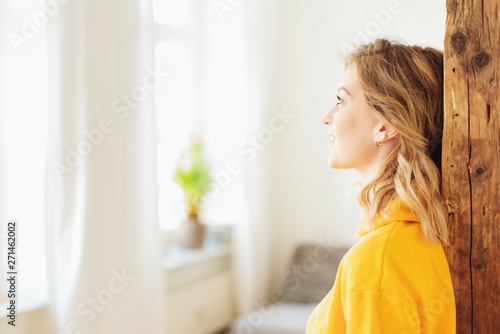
[(254, 239), (238, 58), (104, 247)]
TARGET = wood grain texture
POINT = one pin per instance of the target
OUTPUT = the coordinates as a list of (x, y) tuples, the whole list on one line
[(471, 156)]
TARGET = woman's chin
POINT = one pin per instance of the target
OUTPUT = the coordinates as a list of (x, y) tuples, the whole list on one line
[(335, 163), (332, 158), (332, 163)]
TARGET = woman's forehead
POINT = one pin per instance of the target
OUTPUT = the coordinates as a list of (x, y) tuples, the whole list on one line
[(348, 82)]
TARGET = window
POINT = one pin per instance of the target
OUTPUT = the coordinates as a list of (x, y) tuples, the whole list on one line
[(174, 100), (171, 12), (204, 95), (174, 110), (23, 140)]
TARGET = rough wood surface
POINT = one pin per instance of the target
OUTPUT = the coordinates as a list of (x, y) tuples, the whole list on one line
[(470, 161)]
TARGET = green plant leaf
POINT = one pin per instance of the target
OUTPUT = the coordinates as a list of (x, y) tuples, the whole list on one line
[(196, 180)]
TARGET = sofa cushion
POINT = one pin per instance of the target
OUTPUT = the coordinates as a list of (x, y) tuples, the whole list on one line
[(312, 273), (279, 318)]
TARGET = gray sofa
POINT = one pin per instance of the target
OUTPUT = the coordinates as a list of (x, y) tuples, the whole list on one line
[(309, 278)]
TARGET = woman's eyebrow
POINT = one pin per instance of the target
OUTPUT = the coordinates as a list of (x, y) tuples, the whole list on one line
[(345, 90)]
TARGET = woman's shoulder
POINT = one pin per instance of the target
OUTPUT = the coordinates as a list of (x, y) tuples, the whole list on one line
[(395, 251)]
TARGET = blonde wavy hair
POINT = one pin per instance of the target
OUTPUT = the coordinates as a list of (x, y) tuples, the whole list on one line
[(403, 85)]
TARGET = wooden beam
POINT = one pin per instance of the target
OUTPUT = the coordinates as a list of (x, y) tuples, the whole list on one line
[(470, 160)]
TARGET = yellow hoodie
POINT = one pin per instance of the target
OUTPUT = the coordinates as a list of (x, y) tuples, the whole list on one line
[(391, 281)]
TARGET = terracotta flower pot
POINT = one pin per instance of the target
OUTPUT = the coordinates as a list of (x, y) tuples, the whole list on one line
[(192, 233)]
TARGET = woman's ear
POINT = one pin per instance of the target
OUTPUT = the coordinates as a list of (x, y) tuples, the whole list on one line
[(389, 132), (384, 134)]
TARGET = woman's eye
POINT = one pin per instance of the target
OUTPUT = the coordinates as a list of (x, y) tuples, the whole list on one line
[(339, 100)]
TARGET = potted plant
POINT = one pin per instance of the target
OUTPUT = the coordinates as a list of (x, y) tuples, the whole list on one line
[(193, 176)]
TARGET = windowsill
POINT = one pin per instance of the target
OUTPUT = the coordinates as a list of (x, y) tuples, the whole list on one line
[(183, 266), (178, 257), (25, 304)]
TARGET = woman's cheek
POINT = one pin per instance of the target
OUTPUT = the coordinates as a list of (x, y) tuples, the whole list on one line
[(338, 127)]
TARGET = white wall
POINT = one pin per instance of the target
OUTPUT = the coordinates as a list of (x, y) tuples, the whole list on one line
[(309, 199)]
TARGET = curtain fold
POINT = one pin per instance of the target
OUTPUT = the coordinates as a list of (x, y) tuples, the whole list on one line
[(253, 232), (102, 194), (237, 86)]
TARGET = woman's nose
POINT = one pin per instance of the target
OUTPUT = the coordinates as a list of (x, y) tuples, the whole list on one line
[(327, 119)]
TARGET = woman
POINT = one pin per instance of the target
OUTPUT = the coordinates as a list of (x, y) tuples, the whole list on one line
[(386, 124)]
